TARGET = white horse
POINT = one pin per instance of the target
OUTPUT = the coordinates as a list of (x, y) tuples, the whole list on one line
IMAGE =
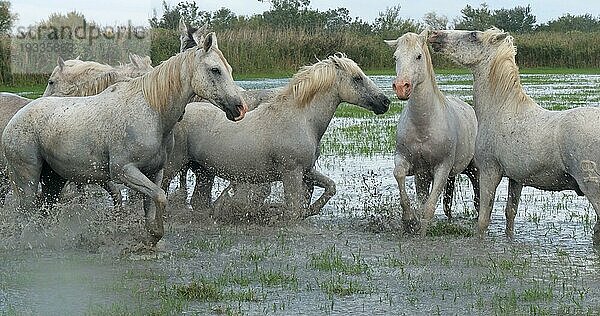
[(73, 78), (435, 137), (79, 78), (518, 139), (189, 35), (279, 140), (122, 134)]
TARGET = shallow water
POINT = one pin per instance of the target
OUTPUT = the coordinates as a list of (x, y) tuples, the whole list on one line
[(85, 257)]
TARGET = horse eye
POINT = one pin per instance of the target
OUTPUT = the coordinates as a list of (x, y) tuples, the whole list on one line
[(50, 82), (419, 57), (357, 79), (473, 36), (215, 70)]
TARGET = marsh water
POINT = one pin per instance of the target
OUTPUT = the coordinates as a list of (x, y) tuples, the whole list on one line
[(85, 258)]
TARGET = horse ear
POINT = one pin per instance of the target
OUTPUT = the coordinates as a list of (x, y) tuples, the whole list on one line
[(500, 37), (392, 43), (203, 29), (210, 41), (182, 26), (61, 63), (425, 34), (133, 60)]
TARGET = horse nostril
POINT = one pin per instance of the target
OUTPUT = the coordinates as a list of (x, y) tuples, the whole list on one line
[(406, 85), (393, 85)]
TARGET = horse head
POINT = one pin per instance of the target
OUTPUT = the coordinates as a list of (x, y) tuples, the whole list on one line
[(413, 63)]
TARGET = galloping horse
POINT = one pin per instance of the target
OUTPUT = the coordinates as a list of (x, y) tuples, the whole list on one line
[(280, 139), (73, 78), (122, 134), (435, 138)]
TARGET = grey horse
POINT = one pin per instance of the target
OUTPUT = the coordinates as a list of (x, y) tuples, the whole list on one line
[(122, 134), (188, 37), (435, 138), (73, 78), (517, 138), (79, 78), (279, 140)]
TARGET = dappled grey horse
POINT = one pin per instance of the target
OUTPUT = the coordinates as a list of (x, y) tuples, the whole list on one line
[(517, 138), (80, 78), (188, 37), (279, 140), (122, 134), (435, 138), (73, 78)]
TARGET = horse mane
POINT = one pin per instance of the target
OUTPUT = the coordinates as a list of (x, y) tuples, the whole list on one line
[(307, 82), (164, 81), (91, 77), (99, 83), (413, 39), (504, 73)]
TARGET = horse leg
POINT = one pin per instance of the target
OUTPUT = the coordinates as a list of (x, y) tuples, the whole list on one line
[(315, 178), (512, 204), (221, 205), (25, 177), (449, 196), (153, 212), (202, 195), (588, 180), (409, 218), (422, 185), (440, 178), (183, 180), (473, 173), (52, 184), (115, 193), (293, 195), (489, 178), (4, 185)]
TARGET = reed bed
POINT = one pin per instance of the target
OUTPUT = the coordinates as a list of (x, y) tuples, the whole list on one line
[(280, 52)]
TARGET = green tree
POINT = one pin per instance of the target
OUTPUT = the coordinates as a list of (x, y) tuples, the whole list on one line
[(188, 10), (7, 19), (568, 22), (389, 24), (435, 21), (223, 19), (475, 18), (287, 13), (515, 20)]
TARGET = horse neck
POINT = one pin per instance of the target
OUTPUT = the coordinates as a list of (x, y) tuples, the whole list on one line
[(175, 111), (425, 106), (492, 103), (177, 96), (317, 114)]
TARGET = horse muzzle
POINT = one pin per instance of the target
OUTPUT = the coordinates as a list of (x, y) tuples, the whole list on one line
[(381, 104), (437, 40), (403, 89), (242, 109)]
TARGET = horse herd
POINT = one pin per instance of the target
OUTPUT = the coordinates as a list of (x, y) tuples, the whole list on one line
[(141, 126)]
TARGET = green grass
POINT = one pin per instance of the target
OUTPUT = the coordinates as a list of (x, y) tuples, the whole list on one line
[(204, 290), (36, 90), (447, 228), (342, 286), (365, 137), (331, 260), (352, 111)]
